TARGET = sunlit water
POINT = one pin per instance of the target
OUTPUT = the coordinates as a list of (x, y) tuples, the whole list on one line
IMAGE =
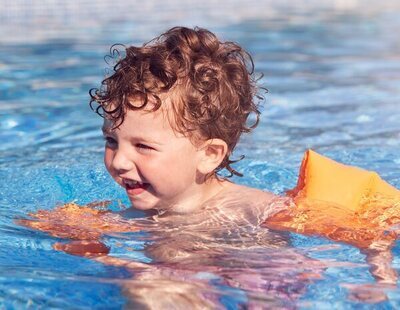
[(333, 73)]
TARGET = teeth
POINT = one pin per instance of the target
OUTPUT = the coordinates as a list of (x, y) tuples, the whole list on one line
[(131, 182)]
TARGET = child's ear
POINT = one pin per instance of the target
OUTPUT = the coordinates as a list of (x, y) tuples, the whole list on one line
[(213, 153)]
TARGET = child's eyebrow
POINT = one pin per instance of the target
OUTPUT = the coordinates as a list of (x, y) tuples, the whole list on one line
[(108, 131)]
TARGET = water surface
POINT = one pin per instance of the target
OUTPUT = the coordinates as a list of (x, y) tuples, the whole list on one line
[(333, 74)]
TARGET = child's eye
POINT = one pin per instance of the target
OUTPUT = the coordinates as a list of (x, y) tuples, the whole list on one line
[(144, 148), (110, 142)]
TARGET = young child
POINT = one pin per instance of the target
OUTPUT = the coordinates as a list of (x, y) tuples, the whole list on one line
[(174, 111)]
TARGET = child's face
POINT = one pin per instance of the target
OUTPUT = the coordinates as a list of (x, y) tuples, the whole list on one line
[(156, 166)]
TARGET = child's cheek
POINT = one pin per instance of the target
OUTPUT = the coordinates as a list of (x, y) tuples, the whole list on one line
[(157, 169), (108, 158)]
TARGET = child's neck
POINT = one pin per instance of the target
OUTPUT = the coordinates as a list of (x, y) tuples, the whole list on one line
[(197, 200)]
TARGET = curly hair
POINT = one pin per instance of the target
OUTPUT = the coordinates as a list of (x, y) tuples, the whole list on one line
[(213, 82)]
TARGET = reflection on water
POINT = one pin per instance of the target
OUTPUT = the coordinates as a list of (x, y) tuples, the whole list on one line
[(219, 251), (332, 69)]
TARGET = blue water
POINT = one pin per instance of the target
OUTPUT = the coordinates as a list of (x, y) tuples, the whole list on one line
[(333, 74)]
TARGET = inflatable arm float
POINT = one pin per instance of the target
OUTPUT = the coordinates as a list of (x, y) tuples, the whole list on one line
[(341, 202), (84, 226)]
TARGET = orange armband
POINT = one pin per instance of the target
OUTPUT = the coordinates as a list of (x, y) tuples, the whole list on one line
[(350, 187), (340, 202)]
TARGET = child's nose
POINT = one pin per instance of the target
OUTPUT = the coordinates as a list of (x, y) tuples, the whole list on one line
[(121, 162)]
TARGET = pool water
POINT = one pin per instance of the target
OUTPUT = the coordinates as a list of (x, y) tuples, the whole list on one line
[(333, 74)]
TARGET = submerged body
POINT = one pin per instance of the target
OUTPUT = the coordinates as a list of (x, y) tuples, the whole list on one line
[(221, 243)]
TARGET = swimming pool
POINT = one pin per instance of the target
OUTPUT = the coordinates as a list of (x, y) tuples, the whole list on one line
[(333, 72)]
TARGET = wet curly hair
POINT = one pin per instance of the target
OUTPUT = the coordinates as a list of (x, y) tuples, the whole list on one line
[(211, 82)]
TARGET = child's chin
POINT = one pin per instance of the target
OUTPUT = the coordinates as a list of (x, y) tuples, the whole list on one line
[(142, 205)]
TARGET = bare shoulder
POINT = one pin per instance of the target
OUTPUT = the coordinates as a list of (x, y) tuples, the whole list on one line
[(260, 204), (249, 194)]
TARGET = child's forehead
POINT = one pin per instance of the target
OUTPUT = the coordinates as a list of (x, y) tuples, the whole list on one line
[(146, 117), (160, 113)]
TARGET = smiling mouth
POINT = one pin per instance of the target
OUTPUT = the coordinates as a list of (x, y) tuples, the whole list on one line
[(135, 187)]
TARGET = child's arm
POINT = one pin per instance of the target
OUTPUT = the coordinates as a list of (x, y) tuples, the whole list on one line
[(72, 221), (85, 225)]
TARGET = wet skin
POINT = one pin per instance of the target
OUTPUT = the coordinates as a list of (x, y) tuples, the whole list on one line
[(222, 238)]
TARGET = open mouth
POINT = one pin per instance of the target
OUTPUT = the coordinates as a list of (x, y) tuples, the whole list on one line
[(135, 187)]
